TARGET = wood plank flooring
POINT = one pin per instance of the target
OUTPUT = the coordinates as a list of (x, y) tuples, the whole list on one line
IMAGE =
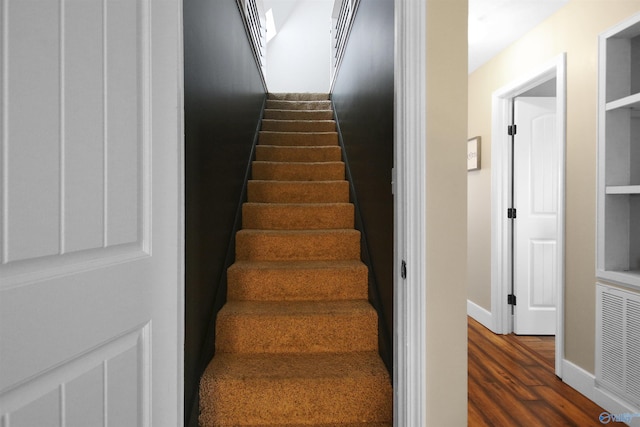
[(510, 384), (542, 345)]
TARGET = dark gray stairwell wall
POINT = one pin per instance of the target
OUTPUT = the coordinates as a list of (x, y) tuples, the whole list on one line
[(363, 98), (223, 99)]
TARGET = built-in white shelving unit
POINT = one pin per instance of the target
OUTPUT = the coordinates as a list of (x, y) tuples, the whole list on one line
[(618, 252)]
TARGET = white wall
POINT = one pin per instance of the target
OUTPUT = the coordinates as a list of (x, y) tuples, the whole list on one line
[(298, 57)]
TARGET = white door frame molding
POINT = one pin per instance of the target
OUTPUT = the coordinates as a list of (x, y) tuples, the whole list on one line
[(410, 214), (501, 190)]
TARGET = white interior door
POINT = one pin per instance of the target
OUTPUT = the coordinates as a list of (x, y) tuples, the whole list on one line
[(535, 199), (91, 255)]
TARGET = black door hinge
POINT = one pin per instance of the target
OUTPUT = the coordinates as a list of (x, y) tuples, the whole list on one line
[(403, 270), (511, 213), (511, 299), (512, 129)]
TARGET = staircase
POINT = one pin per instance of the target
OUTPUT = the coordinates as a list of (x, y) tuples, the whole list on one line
[(297, 341)]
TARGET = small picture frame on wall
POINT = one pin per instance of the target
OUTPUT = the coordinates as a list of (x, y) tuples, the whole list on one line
[(473, 153)]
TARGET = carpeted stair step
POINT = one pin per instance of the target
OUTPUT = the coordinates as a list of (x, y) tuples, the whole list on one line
[(298, 125), (296, 327), (297, 191), (298, 138), (293, 389), (277, 104), (277, 153), (334, 425), (297, 280), (304, 96), (298, 114), (303, 245), (298, 171), (297, 216)]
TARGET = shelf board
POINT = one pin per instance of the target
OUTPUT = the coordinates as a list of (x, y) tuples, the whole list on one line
[(629, 279), (631, 102), (622, 189)]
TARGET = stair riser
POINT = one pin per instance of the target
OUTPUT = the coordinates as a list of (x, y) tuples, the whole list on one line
[(298, 139), (298, 114), (309, 96), (349, 401), (299, 125), (296, 284), (264, 216), (311, 333), (298, 105), (274, 153), (298, 192), (287, 171), (274, 246)]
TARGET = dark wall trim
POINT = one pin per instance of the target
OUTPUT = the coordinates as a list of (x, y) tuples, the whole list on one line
[(364, 105), (224, 99)]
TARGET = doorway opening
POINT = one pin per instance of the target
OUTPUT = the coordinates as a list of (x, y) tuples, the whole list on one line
[(521, 256)]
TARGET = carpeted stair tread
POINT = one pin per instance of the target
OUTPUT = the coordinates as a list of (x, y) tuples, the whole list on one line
[(336, 425), (297, 280), (277, 104), (297, 216), (293, 389), (297, 191), (298, 114), (297, 245), (324, 425), (298, 125), (278, 153), (297, 138), (303, 96), (300, 365), (320, 425), (298, 171), (296, 327), (292, 309)]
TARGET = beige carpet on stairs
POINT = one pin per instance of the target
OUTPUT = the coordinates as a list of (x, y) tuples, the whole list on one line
[(297, 340)]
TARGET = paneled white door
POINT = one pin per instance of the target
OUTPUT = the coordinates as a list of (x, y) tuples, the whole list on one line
[(535, 199), (91, 281)]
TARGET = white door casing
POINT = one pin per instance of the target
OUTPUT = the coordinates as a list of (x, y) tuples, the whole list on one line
[(91, 275), (536, 200), (501, 189), (409, 340)]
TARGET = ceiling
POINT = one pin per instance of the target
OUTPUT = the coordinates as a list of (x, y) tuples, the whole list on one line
[(495, 24)]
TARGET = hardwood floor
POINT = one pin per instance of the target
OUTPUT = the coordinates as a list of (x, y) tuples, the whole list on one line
[(511, 384), (543, 345)]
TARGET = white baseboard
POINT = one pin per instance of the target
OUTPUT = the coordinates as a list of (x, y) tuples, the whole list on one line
[(585, 383), (480, 314), (578, 378)]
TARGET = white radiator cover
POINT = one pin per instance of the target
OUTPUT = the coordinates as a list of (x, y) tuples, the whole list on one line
[(618, 342)]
